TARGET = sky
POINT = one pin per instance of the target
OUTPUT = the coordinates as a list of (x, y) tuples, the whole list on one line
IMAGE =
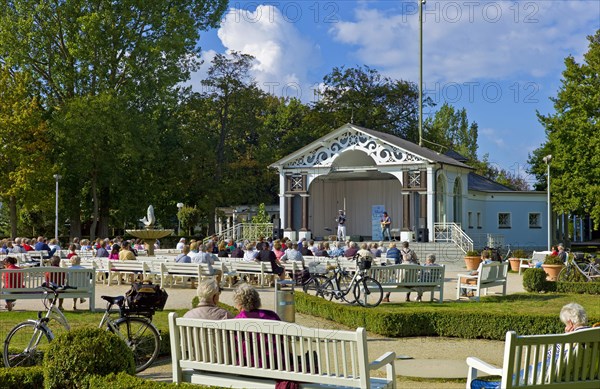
[(501, 60)]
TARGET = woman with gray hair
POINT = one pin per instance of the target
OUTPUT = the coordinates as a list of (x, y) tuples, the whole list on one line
[(573, 317), (208, 292), (247, 300)]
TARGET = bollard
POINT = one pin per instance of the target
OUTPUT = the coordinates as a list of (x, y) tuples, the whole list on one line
[(285, 305)]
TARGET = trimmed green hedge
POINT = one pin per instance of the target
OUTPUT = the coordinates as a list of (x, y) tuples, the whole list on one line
[(22, 377), (125, 381), (578, 287), (434, 320)]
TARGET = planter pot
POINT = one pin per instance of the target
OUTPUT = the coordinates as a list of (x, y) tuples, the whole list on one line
[(472, 262), (514, 264), (552, 271)]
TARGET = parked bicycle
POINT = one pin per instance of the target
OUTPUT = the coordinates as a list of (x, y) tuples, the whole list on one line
[(26, 343), (318, 278), (580, 268), (359, 288)]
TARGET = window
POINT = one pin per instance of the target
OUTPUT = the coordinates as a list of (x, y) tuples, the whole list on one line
[(535, 220), (504, 220), (479, 220), (470, 219)]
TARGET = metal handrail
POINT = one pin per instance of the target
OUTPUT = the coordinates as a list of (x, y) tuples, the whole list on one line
[(245, 231), (452, 232)]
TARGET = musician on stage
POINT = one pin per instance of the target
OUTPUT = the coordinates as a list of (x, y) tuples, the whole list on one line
[(386, 222), (341, 222)]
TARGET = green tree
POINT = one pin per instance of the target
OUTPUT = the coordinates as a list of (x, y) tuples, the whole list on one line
[(450, 129), (364, 97), (573, 137), (24, 167), (189, 218)]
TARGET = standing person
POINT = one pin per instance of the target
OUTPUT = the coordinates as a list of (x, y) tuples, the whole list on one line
[(409, 257), (341, 221), (208, 294), (11, 279), (386, 222)]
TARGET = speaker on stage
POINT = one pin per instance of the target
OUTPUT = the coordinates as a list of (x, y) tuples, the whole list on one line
[(422, 235)]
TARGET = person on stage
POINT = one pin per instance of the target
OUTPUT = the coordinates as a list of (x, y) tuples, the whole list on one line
[(341, 230), (386, 222)]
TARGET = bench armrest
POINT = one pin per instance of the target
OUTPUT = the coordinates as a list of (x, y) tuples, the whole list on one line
[(467, 276), (386, 360), (475, 365)]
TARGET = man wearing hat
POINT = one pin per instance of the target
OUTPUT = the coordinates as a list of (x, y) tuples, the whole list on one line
[(341, 221)]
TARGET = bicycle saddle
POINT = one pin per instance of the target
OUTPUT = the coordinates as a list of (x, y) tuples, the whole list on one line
[(114, 300)]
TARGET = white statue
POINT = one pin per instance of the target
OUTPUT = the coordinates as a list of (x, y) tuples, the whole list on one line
[(149, 220)]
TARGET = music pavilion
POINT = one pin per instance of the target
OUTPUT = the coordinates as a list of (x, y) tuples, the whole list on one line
[(365, 172)]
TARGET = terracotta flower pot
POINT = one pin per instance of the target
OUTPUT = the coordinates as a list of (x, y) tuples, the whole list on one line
[(552, 271), (514, 264), (472, 262)]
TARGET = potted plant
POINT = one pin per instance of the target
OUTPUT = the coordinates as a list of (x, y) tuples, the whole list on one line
[(472, 260), (552, 266), (515, 260)]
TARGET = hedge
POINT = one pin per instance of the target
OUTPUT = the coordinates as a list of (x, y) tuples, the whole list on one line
[(125, 381), (578, 287), (430, 321), (22, 377)]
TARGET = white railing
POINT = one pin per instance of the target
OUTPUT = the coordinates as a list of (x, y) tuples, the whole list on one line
[(246, 231), (482, 240), (452, 232)]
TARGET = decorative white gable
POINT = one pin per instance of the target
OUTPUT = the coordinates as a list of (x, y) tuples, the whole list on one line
[(348, 137)]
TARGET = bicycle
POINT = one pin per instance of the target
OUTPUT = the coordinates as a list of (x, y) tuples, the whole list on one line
[(26, 343), (366, 291), (317, 278), (580, 268)]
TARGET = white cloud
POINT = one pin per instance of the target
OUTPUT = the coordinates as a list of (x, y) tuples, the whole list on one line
[(283, 55), (466, 41)]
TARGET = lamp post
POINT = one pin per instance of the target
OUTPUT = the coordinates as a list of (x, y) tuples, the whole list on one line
[(421, 4), (57, 177), (547, 160), (179, 206)]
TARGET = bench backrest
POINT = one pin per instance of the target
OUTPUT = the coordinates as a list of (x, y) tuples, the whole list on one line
[(409, 274), (269, 349), (197, 269), (570, 360), (492, 272), (540, 255), (32, 278)]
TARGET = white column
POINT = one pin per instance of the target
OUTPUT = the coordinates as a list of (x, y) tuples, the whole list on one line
[(282, 199), (430, 202)]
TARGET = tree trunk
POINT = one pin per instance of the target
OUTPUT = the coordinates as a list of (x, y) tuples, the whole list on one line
[(75, 220), (13, 217), (95, 211), (104, 212)]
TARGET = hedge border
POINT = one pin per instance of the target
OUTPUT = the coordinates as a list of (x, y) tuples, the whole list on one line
[(411, 322)]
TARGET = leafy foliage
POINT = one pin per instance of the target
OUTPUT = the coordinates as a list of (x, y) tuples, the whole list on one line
[(22, 377), (189, 217), (573, 138), (78, 354), (534, 280)]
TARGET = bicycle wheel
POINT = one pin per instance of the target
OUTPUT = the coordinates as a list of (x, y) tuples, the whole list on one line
[(368, 292), (345, 283), (314, 282), (569, 274), (142, 338), (327, 290), (25, 345)]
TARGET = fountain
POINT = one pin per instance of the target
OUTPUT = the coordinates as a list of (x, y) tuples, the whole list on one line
[(149, 234)]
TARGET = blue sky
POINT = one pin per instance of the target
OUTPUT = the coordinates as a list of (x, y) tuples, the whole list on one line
[(501, 60)]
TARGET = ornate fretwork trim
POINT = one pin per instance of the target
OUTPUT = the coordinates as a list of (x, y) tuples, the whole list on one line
[(382, 153)]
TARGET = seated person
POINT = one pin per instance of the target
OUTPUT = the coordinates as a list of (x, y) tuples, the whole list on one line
[(208, 292), (11, 280), (573, 317), (485, 259), (426, 275)]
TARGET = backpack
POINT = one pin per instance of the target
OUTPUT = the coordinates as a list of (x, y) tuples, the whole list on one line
[(145, 296), (407, 256)]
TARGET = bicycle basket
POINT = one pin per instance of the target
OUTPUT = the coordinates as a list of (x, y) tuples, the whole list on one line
[(317, 268), (145, 297), (364, 263)]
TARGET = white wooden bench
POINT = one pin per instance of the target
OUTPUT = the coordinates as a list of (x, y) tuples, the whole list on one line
[(570, 360), (411, 278), (537, 256), (488, 276), (133, 268), (251, 353), (170, 270), (34, 277)]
